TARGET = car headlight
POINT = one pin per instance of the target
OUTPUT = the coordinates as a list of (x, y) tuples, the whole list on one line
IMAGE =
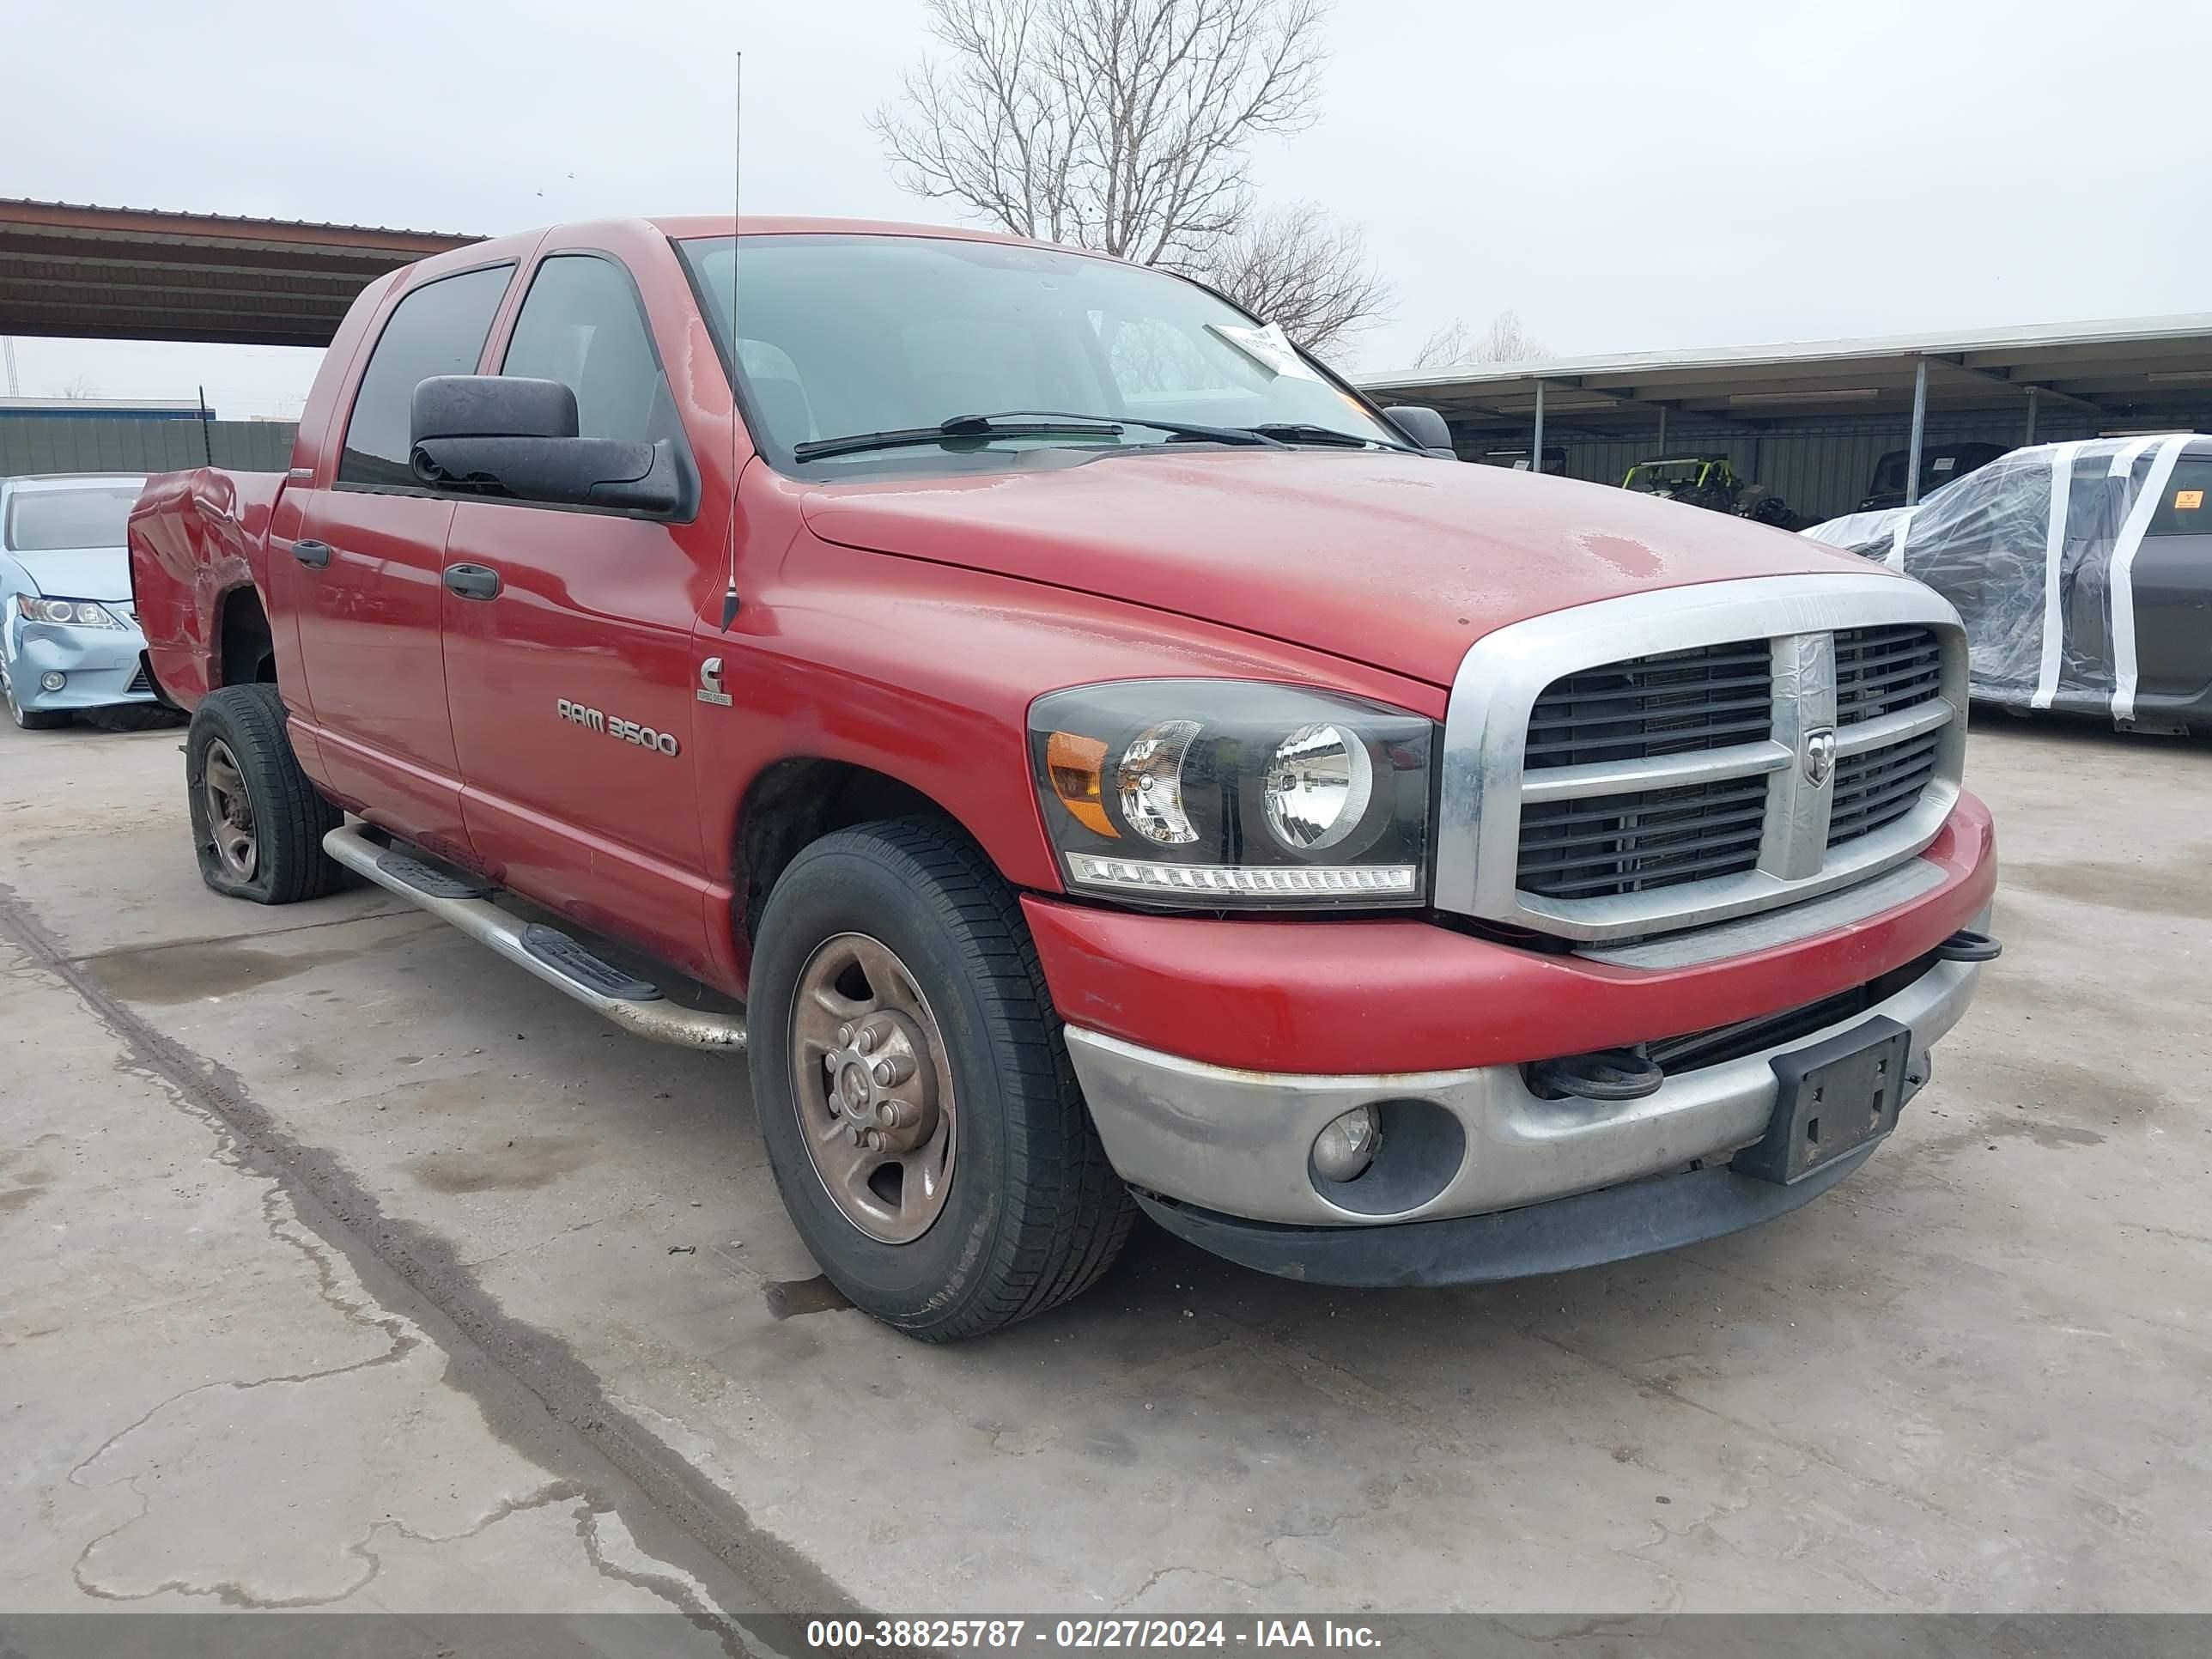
[(70, 613), (1216, 794)]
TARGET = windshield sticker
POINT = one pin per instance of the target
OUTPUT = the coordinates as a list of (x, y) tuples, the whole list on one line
[(1268, 347), (2188, 500)]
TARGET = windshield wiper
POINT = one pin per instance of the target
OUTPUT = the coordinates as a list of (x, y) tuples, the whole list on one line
[(1248, 436), (960, 426), (1301, 432), (1022, 424)]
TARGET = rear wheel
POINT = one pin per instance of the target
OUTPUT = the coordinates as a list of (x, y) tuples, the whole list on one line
[(258, 824), (30, 720), (914, 1092)]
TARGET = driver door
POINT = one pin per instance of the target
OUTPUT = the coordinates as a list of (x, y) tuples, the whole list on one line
[(569, 666)]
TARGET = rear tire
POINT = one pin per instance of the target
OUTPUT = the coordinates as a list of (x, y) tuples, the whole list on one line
[(30, 720), (258, 824), (1030, 1213)]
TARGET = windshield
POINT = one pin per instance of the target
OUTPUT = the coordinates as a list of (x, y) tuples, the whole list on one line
[(1664, 474), (838, 335), (47, 520)]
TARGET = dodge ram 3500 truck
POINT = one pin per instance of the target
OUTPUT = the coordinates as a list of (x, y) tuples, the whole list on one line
[(1114, 764)]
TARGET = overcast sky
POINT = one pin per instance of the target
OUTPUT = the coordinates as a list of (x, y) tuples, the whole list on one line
[(1626, 177)]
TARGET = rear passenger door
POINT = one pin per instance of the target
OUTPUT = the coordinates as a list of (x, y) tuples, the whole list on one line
[(573, 683), (361, 569)]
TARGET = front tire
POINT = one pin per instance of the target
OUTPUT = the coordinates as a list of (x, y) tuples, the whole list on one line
[(921, 1117), (258, 824)]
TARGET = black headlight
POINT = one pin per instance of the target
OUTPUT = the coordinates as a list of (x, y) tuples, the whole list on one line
[(1216, 794)]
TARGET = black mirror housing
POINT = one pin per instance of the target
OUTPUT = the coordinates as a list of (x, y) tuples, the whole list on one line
[(561, 472), (491, 406), (1426, 426), (514, 439)]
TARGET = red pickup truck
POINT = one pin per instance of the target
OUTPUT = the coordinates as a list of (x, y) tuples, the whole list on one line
[(1114, 764)]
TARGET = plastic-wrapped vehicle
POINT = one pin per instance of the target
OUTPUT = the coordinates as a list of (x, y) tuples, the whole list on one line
[(2083, 572)]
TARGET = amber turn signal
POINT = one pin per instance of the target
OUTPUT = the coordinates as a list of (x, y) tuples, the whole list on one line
[(1075, 765)]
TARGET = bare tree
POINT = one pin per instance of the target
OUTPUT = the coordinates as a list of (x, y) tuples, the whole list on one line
[(1445, 347), (80, 389), (1293, 266), (1123, 125), (1505, 341)]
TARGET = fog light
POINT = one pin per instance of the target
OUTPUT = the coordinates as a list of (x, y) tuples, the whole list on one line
[(52, 681), (1343, 1150)]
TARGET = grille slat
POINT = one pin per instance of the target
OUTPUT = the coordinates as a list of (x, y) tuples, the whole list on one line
[(1679, 702), (1875, 788), (1650, 838), (1881, 670)]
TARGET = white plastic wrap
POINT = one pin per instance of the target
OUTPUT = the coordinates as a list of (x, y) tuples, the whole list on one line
[(2036, 550)]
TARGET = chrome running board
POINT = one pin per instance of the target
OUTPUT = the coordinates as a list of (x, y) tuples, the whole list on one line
[(565, 963)]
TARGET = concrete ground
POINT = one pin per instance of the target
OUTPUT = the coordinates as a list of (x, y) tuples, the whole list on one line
[(443, 1296)]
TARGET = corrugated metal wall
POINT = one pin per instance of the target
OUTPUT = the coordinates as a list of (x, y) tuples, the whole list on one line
[(1820, 468), (29, 443)]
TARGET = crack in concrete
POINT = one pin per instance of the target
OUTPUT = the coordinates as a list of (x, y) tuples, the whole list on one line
[(233, 1594), (671, 1590)]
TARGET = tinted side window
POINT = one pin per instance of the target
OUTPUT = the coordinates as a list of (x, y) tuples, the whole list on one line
[(439, 329), (581, 325)]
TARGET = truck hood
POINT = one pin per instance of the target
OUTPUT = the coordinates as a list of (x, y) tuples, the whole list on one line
[(79, 572), (1397, 561)]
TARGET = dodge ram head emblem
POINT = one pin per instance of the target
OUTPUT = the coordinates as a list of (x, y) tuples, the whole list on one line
[(1820, 755)]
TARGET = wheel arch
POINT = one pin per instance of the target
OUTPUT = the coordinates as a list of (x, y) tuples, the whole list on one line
[(245, 642), (794, 802)]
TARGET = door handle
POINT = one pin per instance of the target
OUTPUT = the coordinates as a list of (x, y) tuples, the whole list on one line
[(312, 553), (472, 581)]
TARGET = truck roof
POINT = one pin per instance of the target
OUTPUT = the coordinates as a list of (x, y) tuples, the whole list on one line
[(519, 244)]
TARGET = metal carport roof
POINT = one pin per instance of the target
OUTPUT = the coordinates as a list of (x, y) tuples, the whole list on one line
[(131, 273), (2136, 370)]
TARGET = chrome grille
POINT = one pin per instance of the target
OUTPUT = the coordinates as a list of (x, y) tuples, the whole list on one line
[(1672, 759)]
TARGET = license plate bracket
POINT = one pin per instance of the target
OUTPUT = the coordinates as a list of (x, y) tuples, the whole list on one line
[(1833, 1098)]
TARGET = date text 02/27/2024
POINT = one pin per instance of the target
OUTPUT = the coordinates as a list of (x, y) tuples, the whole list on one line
[(1088, 1633)]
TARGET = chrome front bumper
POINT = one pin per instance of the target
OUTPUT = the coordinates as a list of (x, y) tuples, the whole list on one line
[(1238, 1143)]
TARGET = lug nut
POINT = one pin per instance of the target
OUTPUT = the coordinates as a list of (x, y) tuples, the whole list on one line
[(865, 1040), (845, 1035)]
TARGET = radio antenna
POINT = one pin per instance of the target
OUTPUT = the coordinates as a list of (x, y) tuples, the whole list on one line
[(737, 173)]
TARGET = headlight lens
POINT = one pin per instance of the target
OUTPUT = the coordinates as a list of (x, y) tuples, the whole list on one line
[(1216, 795), (1320, 781), (70, 613)]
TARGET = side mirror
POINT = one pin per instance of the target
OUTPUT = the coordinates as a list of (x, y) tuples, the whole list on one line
[(497, 434), (1424, 427)]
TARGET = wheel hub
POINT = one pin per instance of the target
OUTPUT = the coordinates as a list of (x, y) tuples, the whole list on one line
[(873, 1087), (230, 811), (878, 1084)]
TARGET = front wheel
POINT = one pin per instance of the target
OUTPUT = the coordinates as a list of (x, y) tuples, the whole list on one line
[(258, 824), (914, 1092)]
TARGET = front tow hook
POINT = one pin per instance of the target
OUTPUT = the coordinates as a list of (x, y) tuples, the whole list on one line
[(1967, 945)]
